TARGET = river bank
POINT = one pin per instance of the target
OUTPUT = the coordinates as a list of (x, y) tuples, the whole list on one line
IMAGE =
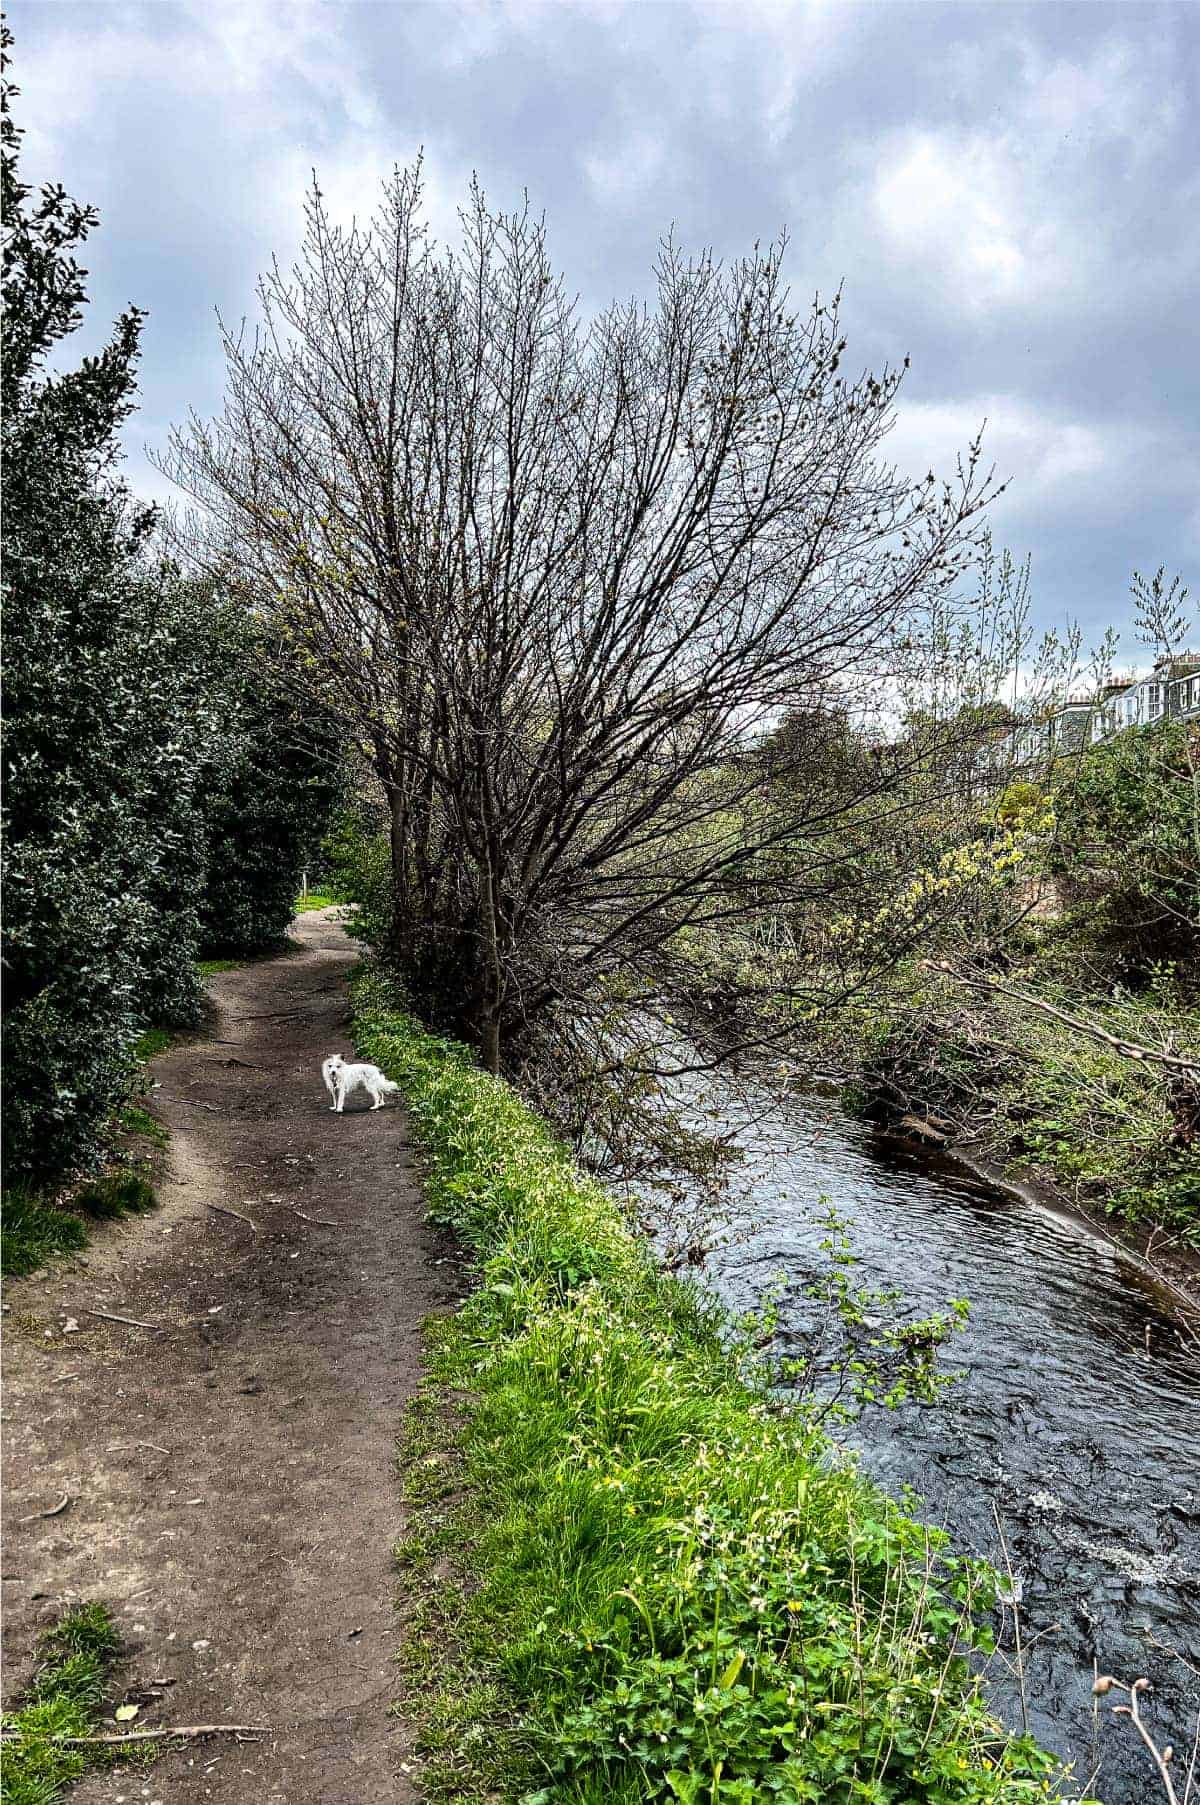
[(643, 1574), (1065, 1446)]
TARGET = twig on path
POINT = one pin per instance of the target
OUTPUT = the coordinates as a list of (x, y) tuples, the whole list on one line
[(231, 1060), (122, 1447), (130, 1321), (323, 1221), (192, 1103), (153, 1735), (224, 1210), (56, 1511), (272, 1015)]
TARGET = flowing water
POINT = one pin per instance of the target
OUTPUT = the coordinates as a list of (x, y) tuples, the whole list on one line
[(1077, 1421)]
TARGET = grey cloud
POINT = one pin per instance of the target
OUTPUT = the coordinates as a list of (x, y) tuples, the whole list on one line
[(1011, 195)]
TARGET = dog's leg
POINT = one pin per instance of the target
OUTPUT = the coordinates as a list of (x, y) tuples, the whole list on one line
[(341, 1097)]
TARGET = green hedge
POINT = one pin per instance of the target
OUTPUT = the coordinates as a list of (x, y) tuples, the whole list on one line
[(676, 1589)]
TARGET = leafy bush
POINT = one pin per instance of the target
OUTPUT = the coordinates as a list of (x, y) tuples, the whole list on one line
[(359, 859), (104, 712), (156, 786), (264, 823), (675, 1590), (1127, 853)]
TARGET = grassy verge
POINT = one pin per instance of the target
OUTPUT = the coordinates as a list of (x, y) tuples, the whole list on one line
[(64, 1699), (638, 1576), (316, 899), (35, 1229)]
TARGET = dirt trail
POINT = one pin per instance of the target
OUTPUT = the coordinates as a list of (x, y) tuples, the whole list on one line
[(231, 1476)]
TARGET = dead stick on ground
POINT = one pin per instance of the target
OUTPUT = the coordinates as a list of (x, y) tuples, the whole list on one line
[(322, 1221), (57, 1510), (122, 1447), (130, 1321), (192, 1103), (155, 1735), (223, 1210)]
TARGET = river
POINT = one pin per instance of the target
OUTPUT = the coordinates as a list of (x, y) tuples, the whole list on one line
[(1077, 1419)]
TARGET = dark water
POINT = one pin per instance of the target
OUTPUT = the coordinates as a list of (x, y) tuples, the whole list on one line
[(1078, 1418)]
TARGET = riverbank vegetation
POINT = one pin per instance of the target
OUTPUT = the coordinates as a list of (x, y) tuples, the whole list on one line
[(1061, 1040), (641, 1576)]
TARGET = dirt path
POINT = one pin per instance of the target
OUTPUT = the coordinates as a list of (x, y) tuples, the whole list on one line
[(231, 1481)]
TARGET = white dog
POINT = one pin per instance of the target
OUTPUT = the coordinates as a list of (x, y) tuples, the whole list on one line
[(342, 1080)]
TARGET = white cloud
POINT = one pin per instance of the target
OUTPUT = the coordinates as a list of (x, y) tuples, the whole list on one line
[(1036, 452), (957, 211)]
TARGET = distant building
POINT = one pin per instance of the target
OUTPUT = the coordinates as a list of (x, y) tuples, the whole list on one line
[(1170, 693)]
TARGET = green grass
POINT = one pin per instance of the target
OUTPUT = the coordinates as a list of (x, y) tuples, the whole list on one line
[(115, 1194), (33, 1231), (151, 1042), (138, 1121), (638, 1575), (208, 968), (64, 1698), (316, 899)]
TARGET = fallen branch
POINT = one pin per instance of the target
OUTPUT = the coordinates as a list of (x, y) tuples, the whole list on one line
[(57, 1510), (192, 1103), (117, 1740), (224, 1210), (122, 1447), (323, 1221), (1130, 1049), (130, 1321)]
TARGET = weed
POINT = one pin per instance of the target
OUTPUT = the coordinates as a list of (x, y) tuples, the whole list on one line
[(138, 1121), (209, 968), (151, 1042)]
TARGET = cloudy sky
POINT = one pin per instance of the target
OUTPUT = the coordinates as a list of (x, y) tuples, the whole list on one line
[(1010, 194)]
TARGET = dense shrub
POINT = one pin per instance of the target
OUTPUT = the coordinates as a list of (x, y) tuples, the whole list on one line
[(104, 713), (1127, 855), (268, 816), (144, 745)]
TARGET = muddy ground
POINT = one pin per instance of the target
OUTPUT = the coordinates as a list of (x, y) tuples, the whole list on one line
[(230, 1469)]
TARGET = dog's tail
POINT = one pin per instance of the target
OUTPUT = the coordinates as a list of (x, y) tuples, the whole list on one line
[(389, 1086)]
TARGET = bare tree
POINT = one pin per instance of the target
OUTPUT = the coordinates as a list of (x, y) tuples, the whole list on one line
[(558, 574)]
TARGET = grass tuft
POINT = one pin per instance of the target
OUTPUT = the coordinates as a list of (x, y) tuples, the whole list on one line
[(115, 1194), (64, 1699), (151, 1042), (33, 1231), (634, 1574)]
